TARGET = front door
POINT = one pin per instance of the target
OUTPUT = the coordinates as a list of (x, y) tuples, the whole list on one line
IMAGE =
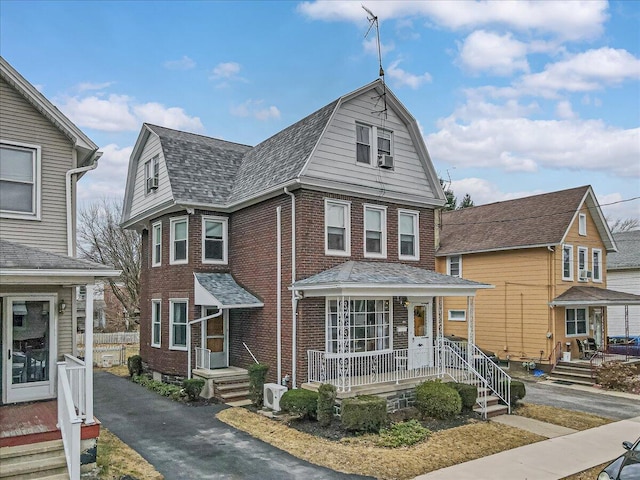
[(216, 338), (29, 344), (420, 335)]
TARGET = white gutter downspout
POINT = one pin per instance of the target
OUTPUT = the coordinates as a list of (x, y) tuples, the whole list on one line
[(71, 172), (201, 319), (294, 300), (279, 292)]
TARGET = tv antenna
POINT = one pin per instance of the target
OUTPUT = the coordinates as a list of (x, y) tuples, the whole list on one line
[(373, 21)]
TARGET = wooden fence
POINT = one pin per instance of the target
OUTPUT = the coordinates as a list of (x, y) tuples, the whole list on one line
[(111, 338)]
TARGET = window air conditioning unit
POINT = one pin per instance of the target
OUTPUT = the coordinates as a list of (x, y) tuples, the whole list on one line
[(584, 274), (385, 161), (272, 395), (152, 183)]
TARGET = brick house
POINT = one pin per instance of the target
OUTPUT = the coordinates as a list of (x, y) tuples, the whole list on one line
[(312, 252)]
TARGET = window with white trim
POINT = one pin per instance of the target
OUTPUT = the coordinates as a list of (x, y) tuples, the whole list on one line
[(454, 266), (152, 174), (457, 315), (179, 240), (156, 247), (575, 321), (408, 235), (337, 222), (178, 324), (582, 224), (384, 139), (363, 144), (567, 262), (155, 323), (20, 180), (370, 324), (596, 265), (375, 231), (583, 264), (214, 240)]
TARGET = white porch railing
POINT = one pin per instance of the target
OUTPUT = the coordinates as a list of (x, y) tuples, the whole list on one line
[(203, 358), (69, 422)]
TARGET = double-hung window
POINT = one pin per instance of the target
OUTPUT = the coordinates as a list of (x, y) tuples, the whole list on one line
[(363, 144), (20, 181), (583, 264), (576, 321), (375, 231), (155, 323), (582, 224), (384, 142), (408, 246), (156, 247), (178, 324), (454, 266), (596, 265), (567, 262), (370, 325), (151, 174), (179, 240), (337, 221), (214, 240)]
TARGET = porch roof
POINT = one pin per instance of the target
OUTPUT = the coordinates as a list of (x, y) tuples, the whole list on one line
[(222, 291), (380, 278), (594, 296)]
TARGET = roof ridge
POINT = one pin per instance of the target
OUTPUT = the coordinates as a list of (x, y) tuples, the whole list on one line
[(152, 126)]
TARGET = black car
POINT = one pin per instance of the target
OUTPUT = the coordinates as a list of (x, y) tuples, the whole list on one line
[(626, 466), (463, 347)]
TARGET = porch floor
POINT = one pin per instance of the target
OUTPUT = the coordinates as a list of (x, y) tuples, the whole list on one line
[(220, 373), (26, 423)]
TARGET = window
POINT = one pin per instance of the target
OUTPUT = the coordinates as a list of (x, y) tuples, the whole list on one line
[(179, 244), (151, 174), (363, 144), (82, 292), (214, 240), (178, 324), (384, 142), (454, 266), (337, 220), (375, 231), (155, 323), (567, 262), (457, 315), (156, 239), (582, 224), (408, 248), (369, 324), (583, 264), (596, 260), (20, 181), (576, 321)]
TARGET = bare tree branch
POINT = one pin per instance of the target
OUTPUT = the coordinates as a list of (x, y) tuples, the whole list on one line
[(624, 224)]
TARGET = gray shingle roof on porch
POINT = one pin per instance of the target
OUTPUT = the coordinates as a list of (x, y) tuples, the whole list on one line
[(226, 291), (14, 256)]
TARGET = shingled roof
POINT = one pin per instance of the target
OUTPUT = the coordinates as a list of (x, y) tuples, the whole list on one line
[(524, 222), (628, 254), (577, 295)]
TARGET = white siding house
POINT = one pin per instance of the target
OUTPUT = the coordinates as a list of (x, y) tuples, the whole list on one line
[(623, 274)]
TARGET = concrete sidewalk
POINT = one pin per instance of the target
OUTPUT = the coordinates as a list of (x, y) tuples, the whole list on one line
[(550, 459)]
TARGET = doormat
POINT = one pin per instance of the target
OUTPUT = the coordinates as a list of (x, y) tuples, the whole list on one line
[(562, 382)]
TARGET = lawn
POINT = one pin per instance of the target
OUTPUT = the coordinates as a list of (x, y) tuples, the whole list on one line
[(116, 459)]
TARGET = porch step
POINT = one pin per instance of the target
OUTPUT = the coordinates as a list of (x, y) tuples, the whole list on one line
[(225, 387), (234, 396), (34, 461), (491, 400), (492, 410), (579, 373)]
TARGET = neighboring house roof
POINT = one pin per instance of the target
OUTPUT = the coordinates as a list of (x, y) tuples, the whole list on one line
[(585, 296), (87, 150), (221, 289), (628, 255), (538, 220)]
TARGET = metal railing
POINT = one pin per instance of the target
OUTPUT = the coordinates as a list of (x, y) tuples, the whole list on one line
[(203, 358), (69, 421), (462, 371), (556, 355)]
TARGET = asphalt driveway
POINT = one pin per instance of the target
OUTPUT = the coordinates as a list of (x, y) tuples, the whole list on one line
[(186, 442)]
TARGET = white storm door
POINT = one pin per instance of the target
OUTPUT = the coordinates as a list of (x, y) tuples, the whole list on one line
[(420, 335), (29, 368), (217, 339)]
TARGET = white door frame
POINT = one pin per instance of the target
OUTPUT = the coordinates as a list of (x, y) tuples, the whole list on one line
[(420, 347), (28, 391)]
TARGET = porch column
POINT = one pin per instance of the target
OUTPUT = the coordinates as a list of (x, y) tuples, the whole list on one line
[(344, 345), (471, 326), (440, 334), (88, 354)]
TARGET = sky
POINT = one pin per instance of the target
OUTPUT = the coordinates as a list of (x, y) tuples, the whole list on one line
[(513, 98)]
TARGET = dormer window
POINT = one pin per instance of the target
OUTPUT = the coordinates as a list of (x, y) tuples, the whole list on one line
[(152, 174), (19, 181)]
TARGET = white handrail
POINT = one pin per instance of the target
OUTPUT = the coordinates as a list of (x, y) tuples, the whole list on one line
[(250, 353), (76, 376), (69, 423), (203, 358)]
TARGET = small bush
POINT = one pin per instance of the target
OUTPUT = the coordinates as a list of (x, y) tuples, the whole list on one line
[(326, 403), (365, 413), (468, 394), (300, 402), (193, 387), (518, 391), (134, 364), (403, 434), (438, 400), (257, 377), (165, 389), (617, 376)]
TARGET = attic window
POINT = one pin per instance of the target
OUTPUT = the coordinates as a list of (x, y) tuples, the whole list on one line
[(151, 174), (582, 224), (363, 144), (384, 142)]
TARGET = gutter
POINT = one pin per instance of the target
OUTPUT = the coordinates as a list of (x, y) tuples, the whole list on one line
[(95, 156)]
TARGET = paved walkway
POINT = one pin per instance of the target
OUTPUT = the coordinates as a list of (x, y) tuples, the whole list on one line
[(543, 429)]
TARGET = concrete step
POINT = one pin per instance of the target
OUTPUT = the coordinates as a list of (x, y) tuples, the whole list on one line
[(240, 378), (34, 466), (574, 370), (234, 396), (232, 386), (571, 379), (490, 399), (33, 448), (493, 410)]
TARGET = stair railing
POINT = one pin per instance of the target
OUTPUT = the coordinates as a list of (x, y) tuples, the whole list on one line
[(556, 355), (250, 353), (454, 361)]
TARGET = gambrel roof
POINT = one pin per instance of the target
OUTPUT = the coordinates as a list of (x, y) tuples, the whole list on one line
[(535, 221)]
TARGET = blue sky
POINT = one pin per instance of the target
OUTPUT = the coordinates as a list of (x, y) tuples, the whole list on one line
[(513, 98)]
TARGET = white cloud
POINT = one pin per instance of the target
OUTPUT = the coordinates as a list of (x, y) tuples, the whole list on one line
[(498, 54), (371, 46), (564, 110), (402, 78), (255, 109), (185, 63), (483, 191), (614, 207), (172, 117), (108, 180), (228, 70), (83, 87)]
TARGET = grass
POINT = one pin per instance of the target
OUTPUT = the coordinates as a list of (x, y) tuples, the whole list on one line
[(116, 459), (561, 416)]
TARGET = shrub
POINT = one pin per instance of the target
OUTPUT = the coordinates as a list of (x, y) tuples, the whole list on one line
[(193, 387), (257, 377), (438, 400), (300, 402), (403, 434), (468, 394), (134, 364), (165, 389), (518, 391), (617, 376), (326, 403), (365, 413)]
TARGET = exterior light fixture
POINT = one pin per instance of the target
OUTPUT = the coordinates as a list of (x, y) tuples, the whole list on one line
[(62, 306)]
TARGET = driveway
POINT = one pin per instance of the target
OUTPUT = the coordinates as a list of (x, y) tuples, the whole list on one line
[(186, 442)]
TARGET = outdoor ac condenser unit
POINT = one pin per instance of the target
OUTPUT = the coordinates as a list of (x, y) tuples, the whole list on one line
[(272, 395)]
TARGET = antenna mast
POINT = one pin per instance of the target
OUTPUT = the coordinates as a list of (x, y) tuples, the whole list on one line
[(373, 20)]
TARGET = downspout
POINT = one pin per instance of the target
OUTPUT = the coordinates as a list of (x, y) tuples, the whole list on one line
[(294, 300), (70, 173), (279, 292), (217, 314)]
